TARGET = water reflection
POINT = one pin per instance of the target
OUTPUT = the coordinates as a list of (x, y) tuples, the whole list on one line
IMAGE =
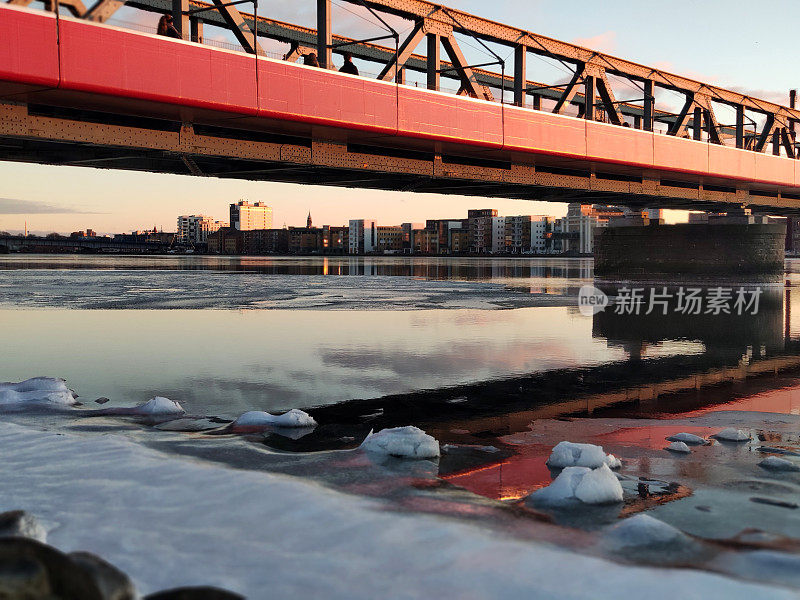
[(435, 268)]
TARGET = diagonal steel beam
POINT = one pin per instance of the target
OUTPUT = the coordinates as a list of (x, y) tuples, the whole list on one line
[(569, 92), (405, 51), (468, 79), (235, 22)]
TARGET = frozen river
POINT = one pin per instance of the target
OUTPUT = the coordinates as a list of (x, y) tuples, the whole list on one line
[(491, 357)]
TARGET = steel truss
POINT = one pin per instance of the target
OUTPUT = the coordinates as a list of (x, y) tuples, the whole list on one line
[(436, 25)]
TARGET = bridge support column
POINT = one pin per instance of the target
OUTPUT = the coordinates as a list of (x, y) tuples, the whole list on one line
[(197, 29), (324, 34), (649, 106), (434, 60), (520, 74), (181, 19)]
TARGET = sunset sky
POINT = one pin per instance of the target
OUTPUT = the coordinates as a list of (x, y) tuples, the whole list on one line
[(721, 42)]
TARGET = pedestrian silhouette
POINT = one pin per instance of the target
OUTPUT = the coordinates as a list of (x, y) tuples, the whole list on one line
[(348, 66), (310, 59), (167, 27)]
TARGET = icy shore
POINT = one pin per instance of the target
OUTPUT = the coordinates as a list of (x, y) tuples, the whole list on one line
[(168, 522)]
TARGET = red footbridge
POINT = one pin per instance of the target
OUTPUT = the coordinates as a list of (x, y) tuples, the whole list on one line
[(77, 89)]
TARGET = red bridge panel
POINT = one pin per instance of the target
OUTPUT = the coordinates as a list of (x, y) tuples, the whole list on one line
[(444, 117), (770, 168), (312, 95), (28, 47), (680, 154), (536, 131), (619, 144), (108, 60), (731, 162)]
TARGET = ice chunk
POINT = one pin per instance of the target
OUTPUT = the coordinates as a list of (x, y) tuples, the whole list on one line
[(613, 462), (158, 405), (590, 486), (773, 463), (568, 454), (562, 489), (38, 390), (405, 442), (732, 435), (643, 530), (258, 419), (686, 438), (600, 486), (678, 447)]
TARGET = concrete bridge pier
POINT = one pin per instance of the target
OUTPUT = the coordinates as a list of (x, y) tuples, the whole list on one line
[(739, 252)]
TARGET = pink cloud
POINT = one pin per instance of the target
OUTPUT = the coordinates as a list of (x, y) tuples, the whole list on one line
[(603, 42)]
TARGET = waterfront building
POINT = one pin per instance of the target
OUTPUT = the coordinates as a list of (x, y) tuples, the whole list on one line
[(194, 229), (459, 240), (335, 239), (226, 240), (389, 239), (363, 236), (480, 229), (426, 241), (246, 216), (498, 225), (408, 236), (542, 234)]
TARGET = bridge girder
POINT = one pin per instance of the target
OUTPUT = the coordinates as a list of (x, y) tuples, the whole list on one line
[(65, 137)]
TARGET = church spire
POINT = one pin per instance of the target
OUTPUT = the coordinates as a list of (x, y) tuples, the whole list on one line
[(308, 220)]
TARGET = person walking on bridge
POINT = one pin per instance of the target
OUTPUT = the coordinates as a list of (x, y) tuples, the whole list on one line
[(310, 59), (348, 66)]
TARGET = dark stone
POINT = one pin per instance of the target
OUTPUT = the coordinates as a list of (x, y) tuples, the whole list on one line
[(113, 583), (22, 559), (17, 523), (643, 489), (23, 578), (102, 400), (195, 593)]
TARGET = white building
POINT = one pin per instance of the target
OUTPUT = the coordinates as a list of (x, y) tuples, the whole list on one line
[(194, 229), (247, 217), (541, 234), (363, 236)]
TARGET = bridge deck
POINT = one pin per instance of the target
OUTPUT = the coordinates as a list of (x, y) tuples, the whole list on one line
[(68, 62)]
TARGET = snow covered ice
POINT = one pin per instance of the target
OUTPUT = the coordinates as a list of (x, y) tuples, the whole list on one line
[(158, 406), (643, 531), (774, 463), (569, 454), (679, 447), (257, 419), (589, 486), (404, 442), (170, 521), (687, 438), (38, 390), (730, 434)]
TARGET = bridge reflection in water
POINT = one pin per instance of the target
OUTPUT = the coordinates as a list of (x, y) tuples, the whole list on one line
[(728, 359)]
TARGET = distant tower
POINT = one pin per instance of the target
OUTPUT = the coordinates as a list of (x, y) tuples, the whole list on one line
[(308, 220)]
